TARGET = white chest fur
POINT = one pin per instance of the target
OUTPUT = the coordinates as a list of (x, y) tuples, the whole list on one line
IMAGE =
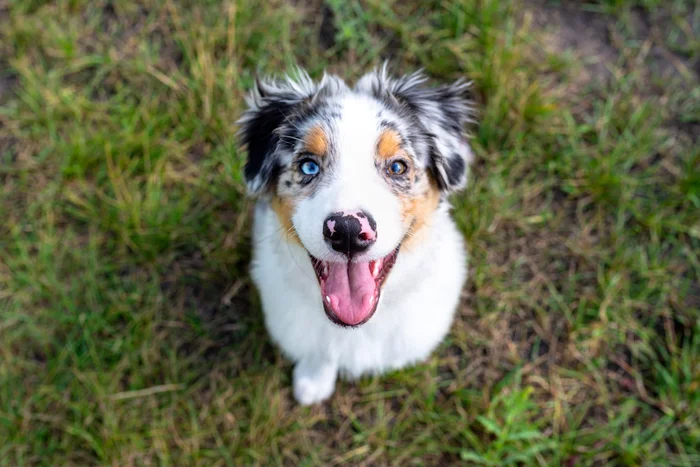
[(415, 311)]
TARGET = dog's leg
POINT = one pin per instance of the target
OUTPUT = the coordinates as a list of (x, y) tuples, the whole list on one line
[(314, 380)]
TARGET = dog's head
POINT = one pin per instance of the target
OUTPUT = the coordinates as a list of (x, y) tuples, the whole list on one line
[(354, 173)]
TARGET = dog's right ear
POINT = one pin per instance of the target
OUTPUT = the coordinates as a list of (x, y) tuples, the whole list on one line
[(270, 102)]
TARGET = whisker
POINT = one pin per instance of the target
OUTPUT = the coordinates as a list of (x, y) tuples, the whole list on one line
[(266, 237), (291, 253), (292, 138), (297, 127)]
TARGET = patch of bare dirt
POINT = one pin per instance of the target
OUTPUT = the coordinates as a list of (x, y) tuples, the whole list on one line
[(586, 34), (593, 37), (648, 43), (8, 84)]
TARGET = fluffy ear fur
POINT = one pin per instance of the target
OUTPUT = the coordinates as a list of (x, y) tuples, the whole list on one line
[(270, 103), (443, 111)]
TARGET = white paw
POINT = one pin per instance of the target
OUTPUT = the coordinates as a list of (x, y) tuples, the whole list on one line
[(314, 381)]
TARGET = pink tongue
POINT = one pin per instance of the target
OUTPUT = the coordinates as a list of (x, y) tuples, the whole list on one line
[(351, 289)]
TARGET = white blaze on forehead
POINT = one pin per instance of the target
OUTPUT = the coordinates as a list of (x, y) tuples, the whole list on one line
[(357, 132), (359, 125), (353, 182)]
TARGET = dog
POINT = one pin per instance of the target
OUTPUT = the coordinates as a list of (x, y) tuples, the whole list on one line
[(357, 261)]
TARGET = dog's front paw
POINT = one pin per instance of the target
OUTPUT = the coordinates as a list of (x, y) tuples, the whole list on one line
[(314, 381)]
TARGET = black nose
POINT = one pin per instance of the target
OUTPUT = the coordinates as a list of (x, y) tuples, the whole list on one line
[(350, 232)]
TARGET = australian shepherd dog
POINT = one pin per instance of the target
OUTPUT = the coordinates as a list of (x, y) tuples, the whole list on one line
[(357, 260)]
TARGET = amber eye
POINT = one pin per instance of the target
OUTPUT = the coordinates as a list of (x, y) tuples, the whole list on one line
[(397, 168)]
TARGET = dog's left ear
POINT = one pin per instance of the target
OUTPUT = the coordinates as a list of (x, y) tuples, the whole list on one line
[(269, 104), (446, 121), (443, 112)]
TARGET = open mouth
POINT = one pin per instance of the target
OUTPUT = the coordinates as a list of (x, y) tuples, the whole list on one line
[(350, 290)]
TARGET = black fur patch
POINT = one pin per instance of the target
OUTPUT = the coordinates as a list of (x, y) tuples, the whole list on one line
[(258, 134), (435, 161), (455, 169)]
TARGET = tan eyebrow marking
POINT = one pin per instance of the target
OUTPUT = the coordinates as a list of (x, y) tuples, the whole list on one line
[(316, 141), (389, 144)]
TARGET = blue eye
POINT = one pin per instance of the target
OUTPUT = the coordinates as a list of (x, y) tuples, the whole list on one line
[(309, 167), (397, 168)]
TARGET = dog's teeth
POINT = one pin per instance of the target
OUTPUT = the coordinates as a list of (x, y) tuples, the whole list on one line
[(371, 300), (375, 269), (328, 299)]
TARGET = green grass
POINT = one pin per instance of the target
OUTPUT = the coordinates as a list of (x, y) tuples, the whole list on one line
[(130, 333)]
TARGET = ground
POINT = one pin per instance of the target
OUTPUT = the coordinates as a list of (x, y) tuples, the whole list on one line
[(129, 330)]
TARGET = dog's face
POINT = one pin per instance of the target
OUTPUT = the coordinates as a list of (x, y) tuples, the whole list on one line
[(354, 173)]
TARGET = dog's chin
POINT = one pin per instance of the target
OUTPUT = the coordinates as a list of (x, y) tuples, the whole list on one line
[(350, 290)]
